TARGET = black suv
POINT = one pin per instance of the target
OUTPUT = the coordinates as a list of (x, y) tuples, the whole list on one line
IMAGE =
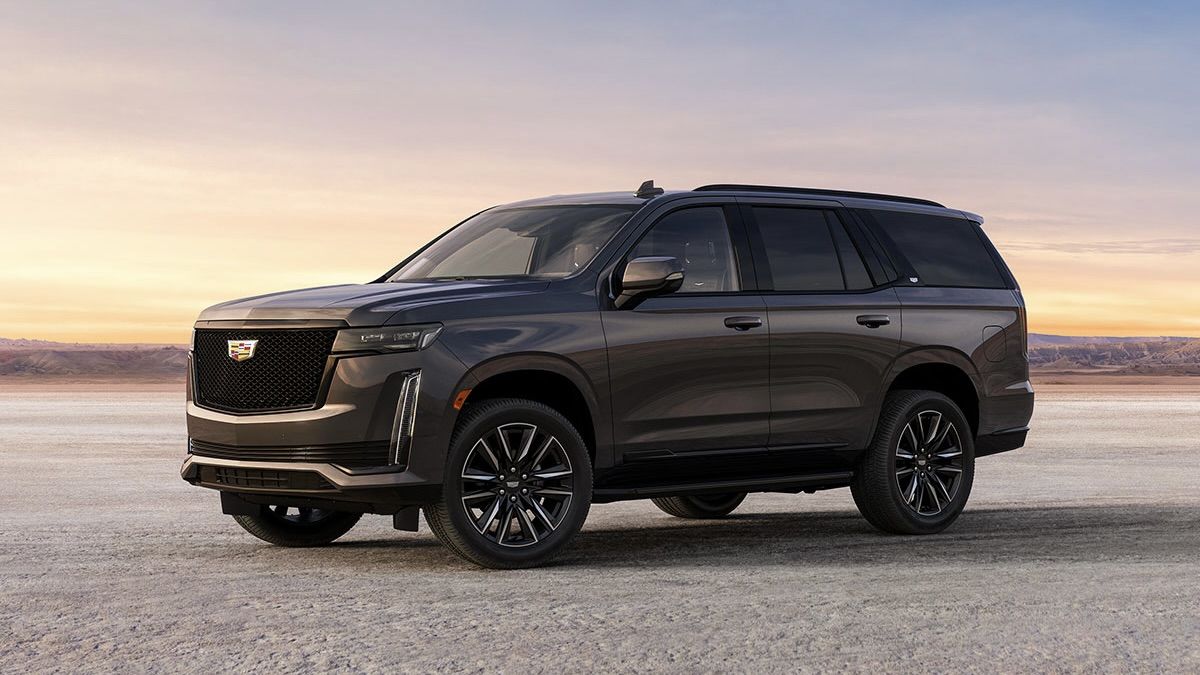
[(685, 347)]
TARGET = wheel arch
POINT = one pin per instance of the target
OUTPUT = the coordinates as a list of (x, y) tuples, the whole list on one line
[(941, 369), (548, 379)]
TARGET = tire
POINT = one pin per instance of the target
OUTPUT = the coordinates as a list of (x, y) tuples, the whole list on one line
[(298, 527), (542, 505), (700, 506), (916, 477)]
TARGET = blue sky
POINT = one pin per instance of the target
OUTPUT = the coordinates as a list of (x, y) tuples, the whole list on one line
[(150, 131)]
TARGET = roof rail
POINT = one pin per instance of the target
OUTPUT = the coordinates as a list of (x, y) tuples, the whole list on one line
[(728, 187)]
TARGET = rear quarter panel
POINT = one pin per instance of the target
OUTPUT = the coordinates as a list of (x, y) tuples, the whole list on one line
[(984, 327)]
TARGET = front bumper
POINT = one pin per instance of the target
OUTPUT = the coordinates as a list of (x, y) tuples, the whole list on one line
[(342, 450), (309, 481)]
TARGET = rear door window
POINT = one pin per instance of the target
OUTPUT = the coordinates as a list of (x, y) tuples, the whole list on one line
[(808, 251), (943, 251)]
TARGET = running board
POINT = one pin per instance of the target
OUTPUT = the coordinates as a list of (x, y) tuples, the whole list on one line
[(770, 484), (664, 453)]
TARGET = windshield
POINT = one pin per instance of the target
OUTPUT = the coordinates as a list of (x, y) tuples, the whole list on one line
[(539, 241)]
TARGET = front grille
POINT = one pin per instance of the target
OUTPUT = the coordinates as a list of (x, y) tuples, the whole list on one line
[(284, 373), (262, 479), (348, 455)]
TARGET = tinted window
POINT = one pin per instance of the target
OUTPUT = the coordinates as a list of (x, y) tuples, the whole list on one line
[(541, 241), (800, 249), (944, 251), (852, 263), (699, 238), (886, 270)]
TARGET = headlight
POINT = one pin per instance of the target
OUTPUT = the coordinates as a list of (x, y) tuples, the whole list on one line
[(387, 338)]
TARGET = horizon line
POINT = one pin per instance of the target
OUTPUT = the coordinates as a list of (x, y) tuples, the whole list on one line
[(1031, 334)]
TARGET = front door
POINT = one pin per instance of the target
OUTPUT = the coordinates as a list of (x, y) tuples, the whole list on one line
[(689, 370)]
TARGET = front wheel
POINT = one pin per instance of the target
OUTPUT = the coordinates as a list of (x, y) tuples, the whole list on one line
[(700, 506), (298, 526), (517, 486), (917, 475)]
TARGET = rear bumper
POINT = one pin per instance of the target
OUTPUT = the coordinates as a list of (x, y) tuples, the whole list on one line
[(1005, 407), (1002, 441)]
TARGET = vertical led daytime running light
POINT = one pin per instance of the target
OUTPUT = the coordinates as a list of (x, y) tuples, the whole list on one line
[(406, 417)]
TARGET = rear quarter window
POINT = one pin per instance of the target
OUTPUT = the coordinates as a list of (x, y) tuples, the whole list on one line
[(943, 251)]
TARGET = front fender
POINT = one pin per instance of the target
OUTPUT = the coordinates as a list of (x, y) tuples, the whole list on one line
[(558, 365)]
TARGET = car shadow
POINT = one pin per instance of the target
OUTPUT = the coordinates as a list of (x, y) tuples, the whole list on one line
[(1067, 533), (1130, 532)]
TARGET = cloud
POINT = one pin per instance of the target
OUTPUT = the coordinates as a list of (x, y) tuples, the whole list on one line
[(1181, 246), (138, 135)]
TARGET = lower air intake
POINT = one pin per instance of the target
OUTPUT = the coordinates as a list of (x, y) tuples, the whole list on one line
[(262, 479)]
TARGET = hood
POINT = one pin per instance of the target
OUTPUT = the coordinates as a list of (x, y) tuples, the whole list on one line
[(365, 304)]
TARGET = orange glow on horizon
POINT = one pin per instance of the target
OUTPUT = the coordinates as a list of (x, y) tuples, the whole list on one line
[(109, 252), (159, 158)]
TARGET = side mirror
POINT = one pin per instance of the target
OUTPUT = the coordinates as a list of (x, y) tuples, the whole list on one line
[(648, 276)]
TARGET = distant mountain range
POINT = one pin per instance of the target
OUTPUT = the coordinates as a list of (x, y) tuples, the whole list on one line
[(41, 358), (1118, 355), (1047, 353), (25, 344), (1043, 340)]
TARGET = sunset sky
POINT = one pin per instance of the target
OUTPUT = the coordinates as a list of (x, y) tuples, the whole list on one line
[(160, 157)]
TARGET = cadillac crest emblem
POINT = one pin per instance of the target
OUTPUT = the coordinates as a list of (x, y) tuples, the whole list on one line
[(242, 350)]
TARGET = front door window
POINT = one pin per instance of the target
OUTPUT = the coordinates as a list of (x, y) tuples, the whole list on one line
[(699, 238)]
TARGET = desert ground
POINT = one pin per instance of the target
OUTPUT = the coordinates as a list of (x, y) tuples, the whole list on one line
[(1080, 552)]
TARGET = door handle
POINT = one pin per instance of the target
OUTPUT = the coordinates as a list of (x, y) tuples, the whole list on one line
[(743, 322), (874, 320)]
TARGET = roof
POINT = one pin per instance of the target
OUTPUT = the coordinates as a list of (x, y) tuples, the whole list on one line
[(846, 197), (819, 192), (583, 198)]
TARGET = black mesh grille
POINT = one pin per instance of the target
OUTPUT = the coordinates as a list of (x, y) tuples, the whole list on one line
[(285, 371)]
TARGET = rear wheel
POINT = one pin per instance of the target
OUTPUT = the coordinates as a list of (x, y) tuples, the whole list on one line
[(917, 475), (517, 487), (298, 526), (700, 506)]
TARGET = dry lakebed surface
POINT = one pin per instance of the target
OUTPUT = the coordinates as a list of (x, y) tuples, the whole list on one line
[(1080, 552)]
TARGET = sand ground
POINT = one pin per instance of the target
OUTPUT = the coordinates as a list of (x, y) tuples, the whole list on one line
[(1080, 552)]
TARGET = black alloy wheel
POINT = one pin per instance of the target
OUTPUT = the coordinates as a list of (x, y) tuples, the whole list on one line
[(517, 484), (916, 476), (700, 506), (298, 526), (929, 463)]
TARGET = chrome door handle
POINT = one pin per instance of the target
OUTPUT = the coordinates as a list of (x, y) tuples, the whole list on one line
[(874, 320), (743, 322)]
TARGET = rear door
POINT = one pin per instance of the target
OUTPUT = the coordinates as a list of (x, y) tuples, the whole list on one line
[(835, 324)]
